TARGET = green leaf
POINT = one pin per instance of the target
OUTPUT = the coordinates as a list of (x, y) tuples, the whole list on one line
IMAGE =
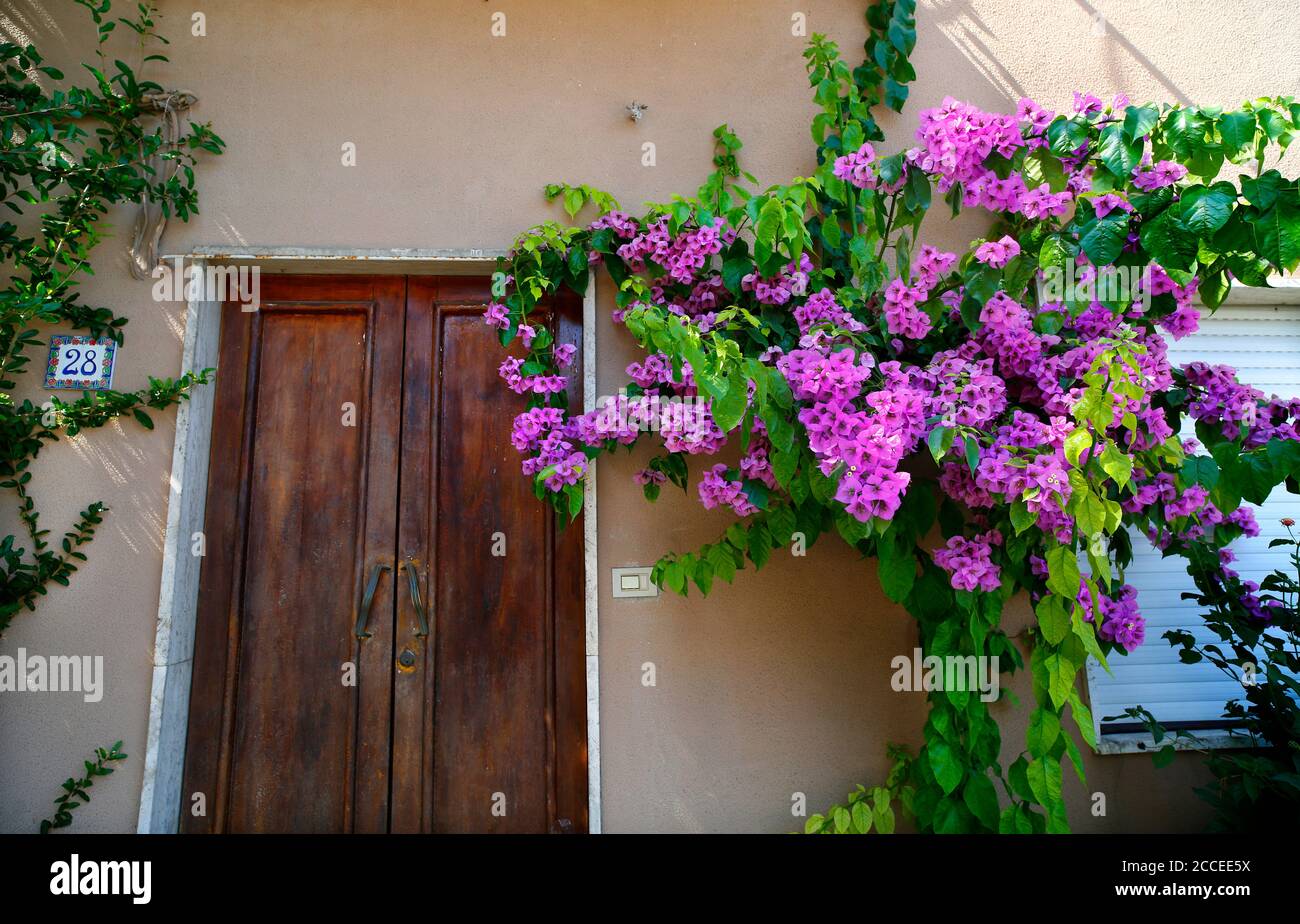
[(1044, 775), (1277, 234), (949, 818), (1202, 470), (1065, 136), (783, 466), (1021, 517), (982, 800), (1139, 120), (1214, 289), (1104, 238), (1060, 678), (945, 765), (1044, 729), (842, 819), (1076, 444), (1053, 618), (1041, 167), (1063, 572), (852, 529), (897, 572), (1168, 242), (1056, 253), (1237, 129), (144, 419), (1116, 464), (940, 441), (1206, 209), (862, 817), (770, 222), (1118, 153), (1082, 716), (728, 410), (883, 811)]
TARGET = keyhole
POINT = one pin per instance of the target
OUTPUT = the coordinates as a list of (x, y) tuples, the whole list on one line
[(406, 659)]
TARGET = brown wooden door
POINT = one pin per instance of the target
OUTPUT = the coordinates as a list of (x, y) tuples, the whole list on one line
[(360, 432), (490, 717), (301, 508)]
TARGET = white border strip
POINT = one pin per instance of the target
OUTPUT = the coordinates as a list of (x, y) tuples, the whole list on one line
[(169, 697), (591, 565)]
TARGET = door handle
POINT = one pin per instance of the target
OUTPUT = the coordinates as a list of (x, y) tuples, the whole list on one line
[(413, 582), (363, 612)]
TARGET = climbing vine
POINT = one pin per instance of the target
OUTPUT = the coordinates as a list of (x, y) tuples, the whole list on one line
[(1016, 397), (69, 155)]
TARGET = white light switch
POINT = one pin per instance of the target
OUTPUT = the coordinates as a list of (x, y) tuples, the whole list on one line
[(634, 582)]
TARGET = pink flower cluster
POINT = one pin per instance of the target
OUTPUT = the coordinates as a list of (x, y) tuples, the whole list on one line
[(510, 372), (1165, 173), (543, 430), (1217, 398), (969, 562), (956, 140), (621, 223), (779, 289), (999, 253), (1121, 622), (684, 424), (716, 490), (871, 441), (904, 315), (822, 308), (967, 393), (855, 167), (683, 256)]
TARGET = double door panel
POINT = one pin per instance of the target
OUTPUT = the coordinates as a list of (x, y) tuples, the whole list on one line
[(390, 632)]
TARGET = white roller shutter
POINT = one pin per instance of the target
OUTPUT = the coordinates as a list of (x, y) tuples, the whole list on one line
[(1262, 343)]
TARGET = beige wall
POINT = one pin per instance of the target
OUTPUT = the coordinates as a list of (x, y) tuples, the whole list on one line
[(775, 685)]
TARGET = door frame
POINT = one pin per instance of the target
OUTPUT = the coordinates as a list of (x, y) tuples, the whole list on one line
[(169, 700)]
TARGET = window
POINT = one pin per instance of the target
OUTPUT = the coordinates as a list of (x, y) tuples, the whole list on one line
[(1262, 342)]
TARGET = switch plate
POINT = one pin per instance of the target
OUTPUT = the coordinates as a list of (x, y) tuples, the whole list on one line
[(633, 582)]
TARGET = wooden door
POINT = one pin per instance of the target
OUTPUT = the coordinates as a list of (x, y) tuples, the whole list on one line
[(301, 511), (360, 439), (490, 716)]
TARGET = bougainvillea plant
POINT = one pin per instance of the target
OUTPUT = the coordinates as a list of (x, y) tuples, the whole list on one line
[(836, 373)]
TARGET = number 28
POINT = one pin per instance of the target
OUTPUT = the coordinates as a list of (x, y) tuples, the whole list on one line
[(89, 364)]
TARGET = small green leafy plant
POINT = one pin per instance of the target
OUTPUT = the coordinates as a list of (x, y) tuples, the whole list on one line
[(72, 154), (75, 791)]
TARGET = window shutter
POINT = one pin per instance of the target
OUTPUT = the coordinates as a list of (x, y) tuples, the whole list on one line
[(1263, 345)]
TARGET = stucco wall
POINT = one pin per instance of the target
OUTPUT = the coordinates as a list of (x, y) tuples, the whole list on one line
[(777, 684)]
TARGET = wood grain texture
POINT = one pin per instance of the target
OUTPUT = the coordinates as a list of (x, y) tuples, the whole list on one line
[(479, 726), (475, 726), (301, 505)]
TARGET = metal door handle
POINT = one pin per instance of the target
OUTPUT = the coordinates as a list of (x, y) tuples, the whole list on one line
[(363, 612), (413, 582)]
